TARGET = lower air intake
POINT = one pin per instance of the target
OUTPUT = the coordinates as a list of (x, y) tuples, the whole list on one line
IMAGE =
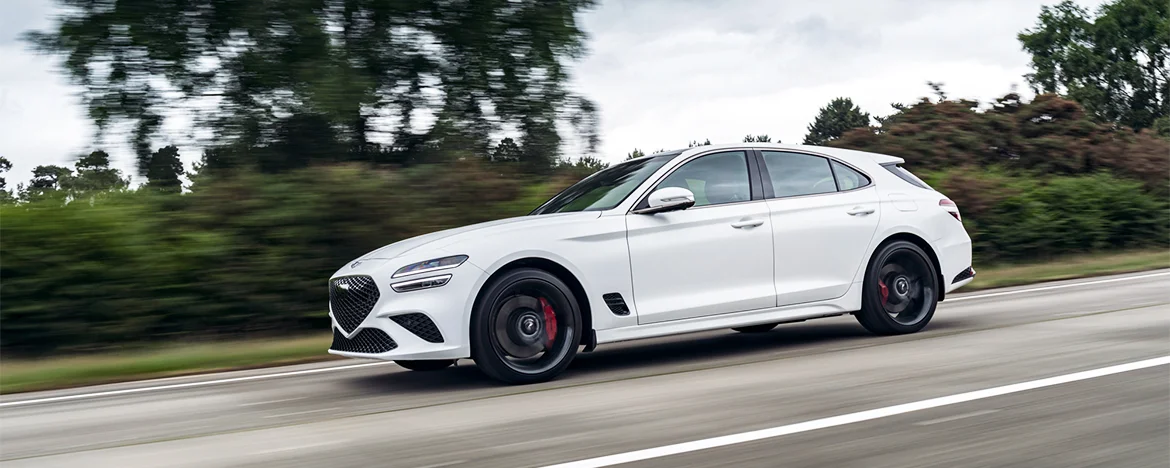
[(420, 325), (366, 341), (616, 304)]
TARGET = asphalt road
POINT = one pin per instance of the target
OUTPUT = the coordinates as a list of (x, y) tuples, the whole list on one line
[(647, 395)]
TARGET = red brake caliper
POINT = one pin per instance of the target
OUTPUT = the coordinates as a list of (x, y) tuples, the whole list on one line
[(884, 290), (550, 320)]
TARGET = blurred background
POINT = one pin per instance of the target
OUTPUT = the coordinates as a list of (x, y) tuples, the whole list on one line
[(186, 172)]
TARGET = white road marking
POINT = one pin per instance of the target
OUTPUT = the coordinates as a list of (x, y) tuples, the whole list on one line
[(299, 447), (732, 439), (358, 366), (189, 384), (283, 415), (1059, 286), (269, 402), (956, 417), (440, 465)]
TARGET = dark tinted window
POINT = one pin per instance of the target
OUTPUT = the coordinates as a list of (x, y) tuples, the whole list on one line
[(907, 176), (714, 178), (847, 178), (795, 174)]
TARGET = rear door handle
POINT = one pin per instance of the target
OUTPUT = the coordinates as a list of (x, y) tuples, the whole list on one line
[(747, 223), (860, 210)]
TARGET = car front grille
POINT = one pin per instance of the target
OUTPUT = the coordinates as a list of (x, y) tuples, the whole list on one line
[(368, 341), (352, 298), (420, 325)]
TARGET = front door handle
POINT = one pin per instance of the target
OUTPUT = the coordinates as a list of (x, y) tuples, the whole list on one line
[(747, 223), (860, 210)]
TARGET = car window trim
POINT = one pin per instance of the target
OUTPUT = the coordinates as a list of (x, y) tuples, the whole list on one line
[(644, 199), (770, 193)]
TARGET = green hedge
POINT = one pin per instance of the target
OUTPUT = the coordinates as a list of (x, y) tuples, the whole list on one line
[(249, 255), (1022, 216)]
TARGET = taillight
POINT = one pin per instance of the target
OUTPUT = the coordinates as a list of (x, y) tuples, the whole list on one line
[(951, 208)]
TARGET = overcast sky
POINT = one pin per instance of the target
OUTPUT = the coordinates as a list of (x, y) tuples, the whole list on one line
[(663, 72)]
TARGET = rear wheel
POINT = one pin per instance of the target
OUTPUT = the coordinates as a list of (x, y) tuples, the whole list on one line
[(900, 291), (526, 327), (428, 365), (756, 328)]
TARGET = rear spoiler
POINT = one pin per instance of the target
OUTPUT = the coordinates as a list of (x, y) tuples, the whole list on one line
[(883, 159)]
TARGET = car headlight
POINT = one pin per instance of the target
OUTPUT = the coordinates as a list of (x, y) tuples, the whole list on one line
[(430, 265)]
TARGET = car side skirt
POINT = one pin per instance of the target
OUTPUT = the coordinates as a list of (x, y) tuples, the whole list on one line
[(846, 304)]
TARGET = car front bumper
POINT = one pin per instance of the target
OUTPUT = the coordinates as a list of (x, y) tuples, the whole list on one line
[(415, 325)]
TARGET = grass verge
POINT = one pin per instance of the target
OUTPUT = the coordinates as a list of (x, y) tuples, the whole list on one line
[(184, 359), (1068, 267), (168, 361)]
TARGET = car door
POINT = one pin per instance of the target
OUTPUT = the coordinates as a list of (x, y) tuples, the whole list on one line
[(824, 214), (712, 258)]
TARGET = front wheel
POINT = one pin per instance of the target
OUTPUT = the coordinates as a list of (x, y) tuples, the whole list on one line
[(526, 327), (900, 291)]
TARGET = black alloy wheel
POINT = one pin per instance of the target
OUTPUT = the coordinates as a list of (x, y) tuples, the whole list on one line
[(426, 365), (526, 327), (900, 291)]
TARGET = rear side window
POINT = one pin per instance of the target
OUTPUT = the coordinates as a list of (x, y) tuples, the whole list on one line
[(795, 174), (905, 175), (847, 178)]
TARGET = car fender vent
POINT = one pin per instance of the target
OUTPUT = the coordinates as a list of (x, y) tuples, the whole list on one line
[(616, 304)]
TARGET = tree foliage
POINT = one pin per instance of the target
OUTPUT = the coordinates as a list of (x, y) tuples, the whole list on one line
[(1049, 135), (91, 178), (310, 79), (833, 120), (164, 170), (1116, 64)]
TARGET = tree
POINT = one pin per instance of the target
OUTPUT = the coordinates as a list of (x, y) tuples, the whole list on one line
[(757, 139), (636, 153), (1116, 64), (5, 166), (695, 143), (295, 65), (1050, 135), (505, 151), (164, 170), (833, 120), (46, 183), (93, 175)]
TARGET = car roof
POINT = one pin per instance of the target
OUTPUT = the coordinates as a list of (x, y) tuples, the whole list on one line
[(841, 153)]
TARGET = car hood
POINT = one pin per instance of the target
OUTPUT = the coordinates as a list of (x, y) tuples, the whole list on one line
[(450, 236)]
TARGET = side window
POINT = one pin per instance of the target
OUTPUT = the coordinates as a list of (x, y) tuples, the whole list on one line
[(714, 179), (795, 174), (847, 178)]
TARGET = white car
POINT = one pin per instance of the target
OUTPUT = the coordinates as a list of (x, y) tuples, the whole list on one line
[(744, 236)]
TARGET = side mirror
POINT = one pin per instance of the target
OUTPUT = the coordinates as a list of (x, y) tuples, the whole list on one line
[(668, 199)]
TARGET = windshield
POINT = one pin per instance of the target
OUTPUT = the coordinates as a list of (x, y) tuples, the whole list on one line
[(605, 189)]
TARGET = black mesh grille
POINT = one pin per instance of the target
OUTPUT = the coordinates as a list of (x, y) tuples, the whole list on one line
[(616, 304), (368, 340), (420, 325), (352, 298)]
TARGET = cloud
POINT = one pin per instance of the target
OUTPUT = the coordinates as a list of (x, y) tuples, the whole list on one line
[(668, 72)]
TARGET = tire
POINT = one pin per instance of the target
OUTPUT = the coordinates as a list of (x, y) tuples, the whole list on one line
[(426, 366), (911, 290), (756, 328), (526, 327)]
